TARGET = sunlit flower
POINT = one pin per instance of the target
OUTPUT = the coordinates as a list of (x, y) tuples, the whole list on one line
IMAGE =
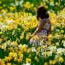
[(45, 63), (28, 60), (8, 63), (60, 59), (28, 5)]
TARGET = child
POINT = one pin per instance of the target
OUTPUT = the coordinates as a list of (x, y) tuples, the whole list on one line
[(44, 27)]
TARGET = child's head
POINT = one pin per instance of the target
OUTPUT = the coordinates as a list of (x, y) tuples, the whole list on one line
[(42, 13)]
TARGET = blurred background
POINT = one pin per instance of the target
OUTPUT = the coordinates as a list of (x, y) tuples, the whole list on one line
[(31, 5), (17, 23)]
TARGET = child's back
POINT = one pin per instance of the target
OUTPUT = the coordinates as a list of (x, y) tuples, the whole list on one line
[(45, 26)]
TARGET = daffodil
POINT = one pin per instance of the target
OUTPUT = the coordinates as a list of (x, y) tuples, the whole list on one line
[(28, 60), (45, 63), (36, 58), (60, 59)]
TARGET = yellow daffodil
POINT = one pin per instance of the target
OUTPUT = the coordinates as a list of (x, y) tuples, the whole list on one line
[(28, 60), (45, 63), (60, 59)]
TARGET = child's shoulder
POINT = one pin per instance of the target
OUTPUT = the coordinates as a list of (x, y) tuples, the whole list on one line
[(45, 20)]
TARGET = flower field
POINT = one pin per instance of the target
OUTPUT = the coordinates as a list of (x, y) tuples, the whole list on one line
[(18, 22)]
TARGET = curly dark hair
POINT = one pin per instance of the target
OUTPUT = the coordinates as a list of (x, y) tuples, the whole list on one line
[(42, 13)]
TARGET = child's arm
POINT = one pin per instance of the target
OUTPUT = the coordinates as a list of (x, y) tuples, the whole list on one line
[(37, 29), (35, 32)]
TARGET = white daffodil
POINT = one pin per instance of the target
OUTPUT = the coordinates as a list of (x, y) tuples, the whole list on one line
[(63, 43), (52, 48), (60, 51), (27, 64), (33, 49), (9, 21)]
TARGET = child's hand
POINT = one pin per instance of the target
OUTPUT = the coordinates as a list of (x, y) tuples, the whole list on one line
[(30, 37)]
